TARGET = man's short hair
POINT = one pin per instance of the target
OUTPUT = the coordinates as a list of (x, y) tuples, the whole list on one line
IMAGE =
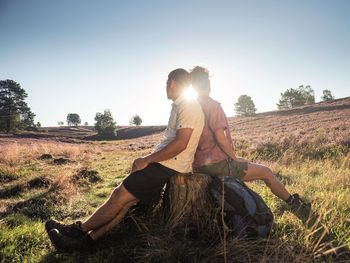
[(181, 77), (200, 78)]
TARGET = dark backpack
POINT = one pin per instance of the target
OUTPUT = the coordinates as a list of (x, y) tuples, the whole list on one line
[(246, 213)]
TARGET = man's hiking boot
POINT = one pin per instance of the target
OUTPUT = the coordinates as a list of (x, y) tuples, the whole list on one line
[(73, 230), (67, 244), (296, 204)]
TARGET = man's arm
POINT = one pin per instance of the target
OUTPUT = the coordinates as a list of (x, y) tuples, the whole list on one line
[(175, 147), (225, 144)]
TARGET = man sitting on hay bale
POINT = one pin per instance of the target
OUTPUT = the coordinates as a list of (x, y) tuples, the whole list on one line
[(149, 174)]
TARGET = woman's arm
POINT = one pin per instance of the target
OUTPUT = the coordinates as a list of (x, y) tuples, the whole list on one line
[(225, 145)]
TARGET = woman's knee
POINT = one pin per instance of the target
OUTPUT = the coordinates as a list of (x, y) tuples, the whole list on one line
[(267, 175), (265, 170)]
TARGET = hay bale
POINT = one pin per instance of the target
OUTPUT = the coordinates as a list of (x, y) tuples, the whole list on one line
[(187, 200)]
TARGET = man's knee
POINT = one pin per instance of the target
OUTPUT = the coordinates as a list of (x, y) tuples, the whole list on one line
[(130, 204), (116, 192), (121, 194)]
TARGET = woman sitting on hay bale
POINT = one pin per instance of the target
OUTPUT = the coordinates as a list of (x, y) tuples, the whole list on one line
[(215, 154)]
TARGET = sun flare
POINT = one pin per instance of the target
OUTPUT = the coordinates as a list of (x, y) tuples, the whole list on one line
[(190, 93)]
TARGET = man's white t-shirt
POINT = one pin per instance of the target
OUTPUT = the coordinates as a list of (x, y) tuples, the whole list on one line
[(185, 113)]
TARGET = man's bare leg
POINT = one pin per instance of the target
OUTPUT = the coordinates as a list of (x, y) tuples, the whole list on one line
[(103, 230), (116, 202), (260, 172)]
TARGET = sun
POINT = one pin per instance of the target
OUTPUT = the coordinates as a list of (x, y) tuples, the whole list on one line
[(190, 93)]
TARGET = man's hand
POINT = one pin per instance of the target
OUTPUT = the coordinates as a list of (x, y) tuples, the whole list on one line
[(139, 164)]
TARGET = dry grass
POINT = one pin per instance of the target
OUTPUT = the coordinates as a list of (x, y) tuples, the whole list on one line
[(64, 186), (327, 128), (16, 153), (153, 241)]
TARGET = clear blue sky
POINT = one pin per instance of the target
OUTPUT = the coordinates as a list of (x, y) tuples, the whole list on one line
[(87, 56)]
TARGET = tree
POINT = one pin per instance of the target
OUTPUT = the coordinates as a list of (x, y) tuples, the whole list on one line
[(60, 123), (38, 124), (14, 111), (105, 124), (308, 94), (86, 123), (327, 95), (296, 97), (135, 120), (245, 106), (290, 98), (73, 119), (27, 119)]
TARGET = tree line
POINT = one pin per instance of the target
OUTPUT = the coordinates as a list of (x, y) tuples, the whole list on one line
[(303, 95), (15, 114), (105, 125)]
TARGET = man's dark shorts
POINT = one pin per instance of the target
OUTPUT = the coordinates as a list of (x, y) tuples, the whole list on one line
[(147, 184), (228, 167)]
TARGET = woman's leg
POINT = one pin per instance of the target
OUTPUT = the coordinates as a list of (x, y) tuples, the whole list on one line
[(117, 202), (260, 172)]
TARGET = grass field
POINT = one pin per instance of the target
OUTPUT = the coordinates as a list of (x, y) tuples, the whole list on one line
[(307, 148)]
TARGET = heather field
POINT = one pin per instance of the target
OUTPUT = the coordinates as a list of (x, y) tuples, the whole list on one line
[(66, 176)]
